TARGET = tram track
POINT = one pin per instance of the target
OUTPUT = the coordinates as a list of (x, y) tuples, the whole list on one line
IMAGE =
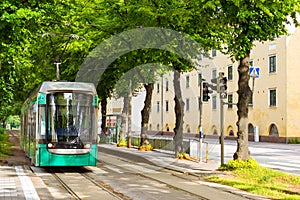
[(80, 185), (188, 185), (157, 174), (66, 187)]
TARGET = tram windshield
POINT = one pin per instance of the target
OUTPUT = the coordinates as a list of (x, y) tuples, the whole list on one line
[(70, 119)]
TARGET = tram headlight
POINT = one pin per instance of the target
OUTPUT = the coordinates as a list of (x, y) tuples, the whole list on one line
[(50, 145), (87, 146)]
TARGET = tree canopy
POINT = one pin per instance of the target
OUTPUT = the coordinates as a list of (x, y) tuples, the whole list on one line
[(34, 34)]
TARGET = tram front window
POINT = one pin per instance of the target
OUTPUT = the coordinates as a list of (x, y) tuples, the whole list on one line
[(69, 120)]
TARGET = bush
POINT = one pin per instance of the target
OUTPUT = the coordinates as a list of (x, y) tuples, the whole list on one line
[(184, 156), (294, 141), (2, 130), (239, 164), (4, 145), (122, 143), (147, 147)]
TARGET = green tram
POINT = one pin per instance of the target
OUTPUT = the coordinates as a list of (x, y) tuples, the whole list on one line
[(59, 125)]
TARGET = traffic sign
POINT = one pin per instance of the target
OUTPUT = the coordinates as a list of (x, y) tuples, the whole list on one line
[(254, 72), (223, 95)]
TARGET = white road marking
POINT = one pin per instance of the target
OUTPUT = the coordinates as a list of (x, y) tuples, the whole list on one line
[(28, 188)]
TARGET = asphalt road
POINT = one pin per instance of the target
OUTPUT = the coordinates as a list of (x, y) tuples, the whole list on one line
[(283, 157)]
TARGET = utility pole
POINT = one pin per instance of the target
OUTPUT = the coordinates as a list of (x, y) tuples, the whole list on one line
[(58, 58), (129, 113), (200, 116), (162, 104), (57, 70)]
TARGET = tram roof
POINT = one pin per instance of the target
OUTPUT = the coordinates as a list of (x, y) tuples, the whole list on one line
[(49, 86)]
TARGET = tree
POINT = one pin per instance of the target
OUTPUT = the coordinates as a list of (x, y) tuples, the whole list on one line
[(130, 82), (158, 14), (27, 56), (21, 24), (18, 21), (246, 22), (179, 112)]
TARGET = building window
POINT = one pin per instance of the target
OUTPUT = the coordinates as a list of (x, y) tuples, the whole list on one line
[(230, 101), (187, 104), (157, 106), (250, 103), (188, 130), (213, 53), (187, 81), (215, 132), (214, 74), (167, 127), (231, 133), (272, 46), (167, 85), (251, 64), (272, 98), (272, 64), (157, 87), (214, 102), (167, 106), (273, 130), (250, 129), (230, 72)]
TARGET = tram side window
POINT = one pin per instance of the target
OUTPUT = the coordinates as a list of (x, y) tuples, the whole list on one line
[(25, 124), (42, 121)]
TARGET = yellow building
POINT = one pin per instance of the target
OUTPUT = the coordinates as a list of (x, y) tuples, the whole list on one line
[(275, 109)]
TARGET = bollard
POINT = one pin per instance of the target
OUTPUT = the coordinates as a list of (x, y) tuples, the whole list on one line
[(206, 152)]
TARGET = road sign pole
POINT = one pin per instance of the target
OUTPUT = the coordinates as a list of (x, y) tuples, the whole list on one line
[(221, 118), (222, 129)]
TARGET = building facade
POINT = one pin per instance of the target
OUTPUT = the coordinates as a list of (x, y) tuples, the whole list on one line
[(274, 109)]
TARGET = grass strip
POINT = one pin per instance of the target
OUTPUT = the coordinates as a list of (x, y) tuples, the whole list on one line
[(250, 176), (4, 145)]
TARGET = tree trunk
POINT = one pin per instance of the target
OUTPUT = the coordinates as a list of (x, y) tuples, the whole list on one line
[(129, 119), (103, 123), (179, 112), (244, 94), (145, 113), (124, 119)]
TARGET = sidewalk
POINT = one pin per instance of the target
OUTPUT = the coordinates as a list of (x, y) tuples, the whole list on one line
[(166, 159)]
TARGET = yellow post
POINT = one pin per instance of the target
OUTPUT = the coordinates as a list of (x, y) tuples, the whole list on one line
[(206, 155)]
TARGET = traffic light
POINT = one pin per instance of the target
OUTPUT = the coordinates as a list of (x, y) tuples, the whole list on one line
[(223, 87), (205, 91)]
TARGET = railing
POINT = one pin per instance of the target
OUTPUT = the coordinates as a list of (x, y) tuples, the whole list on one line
[(165, 143), (162, 143)]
